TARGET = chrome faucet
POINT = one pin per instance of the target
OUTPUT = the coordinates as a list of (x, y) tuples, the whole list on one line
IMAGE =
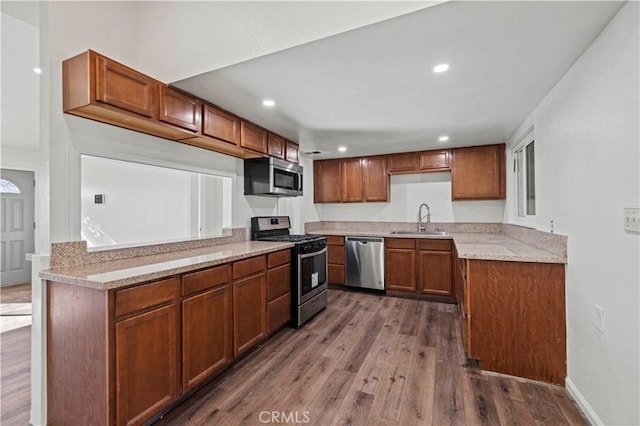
[(421, 226)]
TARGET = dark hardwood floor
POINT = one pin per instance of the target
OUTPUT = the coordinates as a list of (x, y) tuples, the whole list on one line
[(20, 293), (371, 360)]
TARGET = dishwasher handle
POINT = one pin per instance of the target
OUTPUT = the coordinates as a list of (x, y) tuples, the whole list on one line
[(365, 240)]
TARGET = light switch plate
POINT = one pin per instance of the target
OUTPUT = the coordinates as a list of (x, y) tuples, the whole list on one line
[(632, 219)]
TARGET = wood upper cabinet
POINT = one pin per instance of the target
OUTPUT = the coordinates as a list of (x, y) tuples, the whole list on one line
[(207, 343), (406, 162), (124, 87), (276, 146), (478, 173), (400, 264), (254, 137), (434, 160), (375, 179), (292, 152), (327, 181), (352, 180), (178, 108), (435, 267), (146, 364), (221, 125)]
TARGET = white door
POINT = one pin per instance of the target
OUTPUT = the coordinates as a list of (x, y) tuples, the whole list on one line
[(16, 225)]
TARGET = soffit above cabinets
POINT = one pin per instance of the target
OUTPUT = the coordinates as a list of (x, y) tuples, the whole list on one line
[(373, 90)]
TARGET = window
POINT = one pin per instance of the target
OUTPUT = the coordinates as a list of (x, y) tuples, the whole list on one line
[(8, 187), (525, 178)]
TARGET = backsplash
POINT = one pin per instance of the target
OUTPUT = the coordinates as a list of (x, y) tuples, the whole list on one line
[(74, 253)]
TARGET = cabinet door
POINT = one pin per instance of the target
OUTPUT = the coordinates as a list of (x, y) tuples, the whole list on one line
[(292, 151), (124, 88), (179, 109), (206, 335), (279, 311), (220, 125), (253, 137), (276, 146), (478, 173), (249, 312), (434, 160), (327, 181), (435, 272), (375, 179), (146, 364), (400, 269), (402, 163), (352, 180), (336, 274)]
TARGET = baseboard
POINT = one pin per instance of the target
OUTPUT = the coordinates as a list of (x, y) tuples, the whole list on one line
[(586, 408)]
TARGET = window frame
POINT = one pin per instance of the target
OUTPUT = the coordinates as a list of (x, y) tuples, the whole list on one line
[(519, 187)]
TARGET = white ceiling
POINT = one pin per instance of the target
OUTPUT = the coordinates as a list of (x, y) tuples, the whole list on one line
[(371, 89)]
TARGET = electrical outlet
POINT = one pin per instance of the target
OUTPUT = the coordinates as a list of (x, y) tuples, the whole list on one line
[(598, 318), (632, 219)]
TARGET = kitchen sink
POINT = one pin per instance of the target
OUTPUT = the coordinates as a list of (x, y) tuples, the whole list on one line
[(443, 233)]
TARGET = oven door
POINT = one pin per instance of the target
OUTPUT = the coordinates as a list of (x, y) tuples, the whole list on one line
[(312, 274)]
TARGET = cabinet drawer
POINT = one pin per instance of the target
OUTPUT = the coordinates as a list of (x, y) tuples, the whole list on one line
[(250, 266), (201, 280), (279, 281), (438, 245), (335, 240), (147, 295), (279, 258), (335, 255), (401, 243), (336, 274), (279, 311)]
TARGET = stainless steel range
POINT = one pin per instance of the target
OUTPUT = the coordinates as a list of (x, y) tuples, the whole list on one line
[(308, 267)]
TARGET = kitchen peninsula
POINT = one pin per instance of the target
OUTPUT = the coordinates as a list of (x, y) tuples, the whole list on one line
[(105, 318)]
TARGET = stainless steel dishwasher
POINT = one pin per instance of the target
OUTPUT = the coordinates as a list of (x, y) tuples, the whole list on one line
[(365, 262)]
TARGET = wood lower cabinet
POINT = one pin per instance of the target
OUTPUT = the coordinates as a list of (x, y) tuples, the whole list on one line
[(478, 173), (513, 316), (435, 267), (422, 266), (400, 264), (249, 303), (119, 357), (327, 181), (335, 259), (146, 364), (278, 289), (207, 343)]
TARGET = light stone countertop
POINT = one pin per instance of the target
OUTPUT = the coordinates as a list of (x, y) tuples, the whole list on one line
[(135, 270), (473, 245)]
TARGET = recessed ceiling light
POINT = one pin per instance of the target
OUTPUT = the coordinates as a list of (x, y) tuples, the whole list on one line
[(269, 103), (342, 148), (443, 138), (37, 70), (441, 68)]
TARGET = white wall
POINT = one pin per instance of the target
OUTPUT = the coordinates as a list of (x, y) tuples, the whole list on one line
[(587, 170), (407, 193)]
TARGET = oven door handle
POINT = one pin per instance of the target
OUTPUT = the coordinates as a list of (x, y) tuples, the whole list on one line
[(315, 253)]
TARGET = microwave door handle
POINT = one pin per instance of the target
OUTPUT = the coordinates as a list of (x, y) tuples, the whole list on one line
[(299, 181)]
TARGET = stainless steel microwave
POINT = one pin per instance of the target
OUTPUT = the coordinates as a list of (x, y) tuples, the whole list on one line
[(272, 177)]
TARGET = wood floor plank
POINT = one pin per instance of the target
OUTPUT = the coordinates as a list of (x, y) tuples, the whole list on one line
[(510, 404), (542, 405), (417, 406)]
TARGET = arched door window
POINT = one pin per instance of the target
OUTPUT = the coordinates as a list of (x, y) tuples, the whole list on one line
[(8, 187)]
